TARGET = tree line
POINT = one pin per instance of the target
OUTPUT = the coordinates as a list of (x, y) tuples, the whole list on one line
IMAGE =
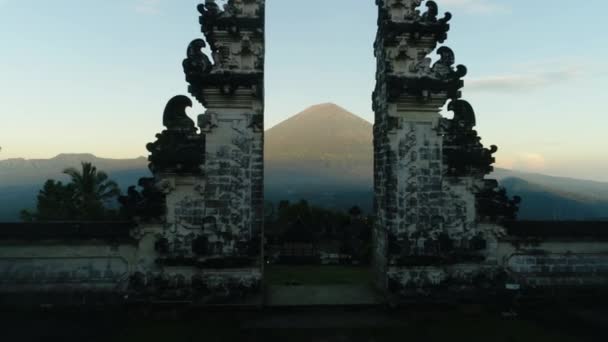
[(90, 195)]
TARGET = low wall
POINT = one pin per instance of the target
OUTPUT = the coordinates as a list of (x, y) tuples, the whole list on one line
[(97, 263), (48, 263), (555, 254)]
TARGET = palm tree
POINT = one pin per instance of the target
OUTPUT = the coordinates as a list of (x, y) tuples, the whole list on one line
[(92, 190)]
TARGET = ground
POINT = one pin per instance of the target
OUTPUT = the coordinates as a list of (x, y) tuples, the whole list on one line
[(317, 275), (312, 303), (298, 325)]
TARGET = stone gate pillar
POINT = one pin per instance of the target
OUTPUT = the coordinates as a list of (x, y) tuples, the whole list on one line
[(209, 249), (435, 212)]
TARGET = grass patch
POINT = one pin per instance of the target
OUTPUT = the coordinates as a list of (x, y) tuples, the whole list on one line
[(317, 275)]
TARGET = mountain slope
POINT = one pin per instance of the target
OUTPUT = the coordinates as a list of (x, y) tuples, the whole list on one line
[(325, 131), (542, 203), (325, 155), (321, 144), (575, 189)]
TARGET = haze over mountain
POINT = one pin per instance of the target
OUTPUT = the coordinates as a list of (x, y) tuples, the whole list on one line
[(323, 154)]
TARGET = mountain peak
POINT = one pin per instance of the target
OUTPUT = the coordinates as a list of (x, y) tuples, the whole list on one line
[(318, 136), (327, 109), (72, 156), (325, 106), (327, 116)]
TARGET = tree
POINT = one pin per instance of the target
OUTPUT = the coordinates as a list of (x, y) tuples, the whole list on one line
[(55, 203), (92, 190), (86, 197), (355, 212)]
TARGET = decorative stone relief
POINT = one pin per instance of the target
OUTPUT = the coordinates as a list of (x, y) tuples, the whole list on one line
[(429, 171)]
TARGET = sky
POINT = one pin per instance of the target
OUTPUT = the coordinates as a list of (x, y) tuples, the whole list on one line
[(84, 76)]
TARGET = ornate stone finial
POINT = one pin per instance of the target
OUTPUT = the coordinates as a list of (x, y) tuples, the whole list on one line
[(443, 68), (178, 149), (432, 12), (197, 63), (464, 115), (175, 117), (430, 16), (464, 153)]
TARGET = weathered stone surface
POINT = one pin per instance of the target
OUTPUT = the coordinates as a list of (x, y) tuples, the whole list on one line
[(214, 219), (429, 170), (178, 149), (59, 265), (212, 181), (555, 261)]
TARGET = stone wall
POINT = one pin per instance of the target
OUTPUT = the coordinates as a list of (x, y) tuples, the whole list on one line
[(429, 170), (539, 255), (51, 262)]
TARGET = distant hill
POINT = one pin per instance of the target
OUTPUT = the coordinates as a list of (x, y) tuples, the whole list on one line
[(323, 154), (18, 171), (21, 179)]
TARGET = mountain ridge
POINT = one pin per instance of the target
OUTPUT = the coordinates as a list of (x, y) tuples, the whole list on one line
[(323, 154)]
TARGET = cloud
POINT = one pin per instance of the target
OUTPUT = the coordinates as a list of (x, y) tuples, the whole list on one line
[(521, 82), (149, 7), (527, 161), (476, 6)]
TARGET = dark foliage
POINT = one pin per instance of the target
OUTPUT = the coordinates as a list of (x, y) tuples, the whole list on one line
[(87, 197), (310, 228)]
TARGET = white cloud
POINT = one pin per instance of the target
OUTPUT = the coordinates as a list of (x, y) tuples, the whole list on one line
[(147, 6), (476, 6), (521, 82), (526, 161)]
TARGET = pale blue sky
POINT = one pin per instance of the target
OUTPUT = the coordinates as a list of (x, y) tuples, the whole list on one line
[(94, 76)]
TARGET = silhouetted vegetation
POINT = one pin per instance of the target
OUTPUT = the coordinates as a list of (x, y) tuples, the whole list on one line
[(303, 234), (86, 197)]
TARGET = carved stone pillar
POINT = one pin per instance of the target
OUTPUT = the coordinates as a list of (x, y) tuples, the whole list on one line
[(428, 170), (209, 249)]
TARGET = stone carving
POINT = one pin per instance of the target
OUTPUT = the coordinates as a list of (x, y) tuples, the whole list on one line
[(403, 10), (149, 204), (430, 16), (443, 68), (197, 64), (464, 154), (236, 39), (494, 205), (208, 121), (430, 192), (178, 149), (175, 117)]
